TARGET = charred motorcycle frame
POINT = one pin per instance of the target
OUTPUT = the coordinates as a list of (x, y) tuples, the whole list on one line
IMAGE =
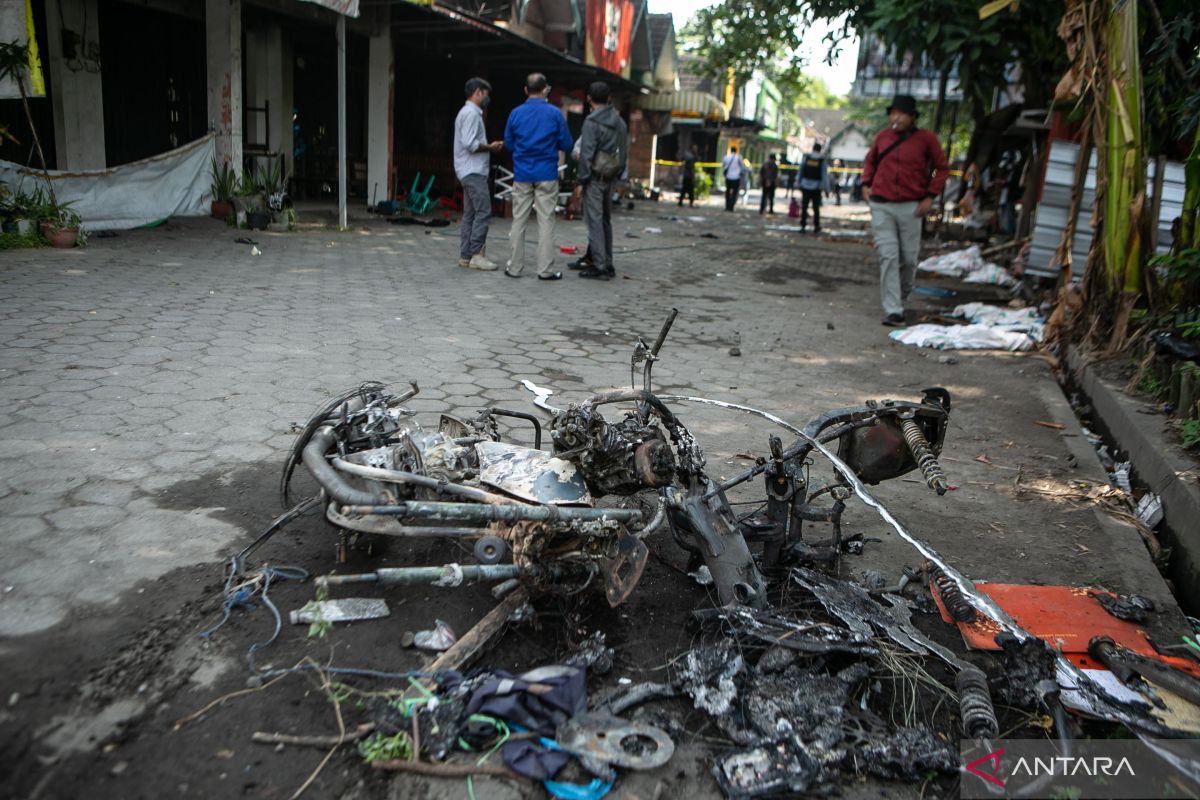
[(534, 515)]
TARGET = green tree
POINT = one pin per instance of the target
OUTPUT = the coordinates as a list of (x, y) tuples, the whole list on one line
[(745, 35), (816, 94)]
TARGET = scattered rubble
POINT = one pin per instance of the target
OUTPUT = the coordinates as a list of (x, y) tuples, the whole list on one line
[(809, 677)]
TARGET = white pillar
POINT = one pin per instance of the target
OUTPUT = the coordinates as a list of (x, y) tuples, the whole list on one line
[(653, 158), (223, 26), (381, 87), (341, 119), (78, 98)]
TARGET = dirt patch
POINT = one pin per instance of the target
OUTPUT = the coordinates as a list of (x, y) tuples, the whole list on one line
[(780, 274)]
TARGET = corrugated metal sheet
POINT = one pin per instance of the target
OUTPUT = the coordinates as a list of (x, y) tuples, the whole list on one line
[(1051, 215)]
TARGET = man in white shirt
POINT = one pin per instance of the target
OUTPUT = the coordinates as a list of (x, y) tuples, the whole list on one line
[(472, 163), (731, 167)]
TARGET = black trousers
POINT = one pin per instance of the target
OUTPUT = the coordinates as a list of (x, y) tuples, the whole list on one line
[(813, 196), (731, 193), (768, 200), (688, 191)]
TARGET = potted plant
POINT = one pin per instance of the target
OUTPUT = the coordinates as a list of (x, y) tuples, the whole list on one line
[(258, 218), (23, 210), (8, 219), (272, 182), (225, 185), (59, 224), (249, 198)]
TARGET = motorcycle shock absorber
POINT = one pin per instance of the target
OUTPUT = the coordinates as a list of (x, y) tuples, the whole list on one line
[(952, 597), (975, 705), (924, 456)]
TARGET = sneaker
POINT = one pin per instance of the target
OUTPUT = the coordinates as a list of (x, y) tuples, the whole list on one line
[(894, 320), (583, 262), (479, 261), (464, 262), (598, 274)]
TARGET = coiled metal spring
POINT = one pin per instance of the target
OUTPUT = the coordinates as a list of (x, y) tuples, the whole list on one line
[(952, 597), (925, 458), (975, 705)]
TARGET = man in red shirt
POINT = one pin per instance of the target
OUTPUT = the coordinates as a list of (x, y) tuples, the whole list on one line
[(904, 171)]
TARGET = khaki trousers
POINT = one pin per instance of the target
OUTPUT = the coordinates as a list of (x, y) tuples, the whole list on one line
[(540, 197)]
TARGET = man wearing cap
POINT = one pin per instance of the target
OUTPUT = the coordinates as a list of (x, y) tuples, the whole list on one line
[(472, 163), (904, 171)]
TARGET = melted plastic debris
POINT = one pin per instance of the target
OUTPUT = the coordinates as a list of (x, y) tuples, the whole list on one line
[(708, 677), (1026, 663), (850, 603), (593, 655), (909, 754), (807, 702), (1129, 607), (781, 768), (768, 627)]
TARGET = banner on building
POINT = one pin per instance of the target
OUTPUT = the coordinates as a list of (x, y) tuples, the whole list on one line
[(173, 184), (16, 29), (347, 8), (609, 29)]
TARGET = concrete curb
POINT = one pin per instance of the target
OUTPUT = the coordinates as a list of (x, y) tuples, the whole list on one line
[(1159, 465)]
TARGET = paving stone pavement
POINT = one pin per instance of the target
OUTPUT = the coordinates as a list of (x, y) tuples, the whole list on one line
[(174, 355)]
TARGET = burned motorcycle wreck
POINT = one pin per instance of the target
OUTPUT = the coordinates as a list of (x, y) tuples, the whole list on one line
[(573, 517)]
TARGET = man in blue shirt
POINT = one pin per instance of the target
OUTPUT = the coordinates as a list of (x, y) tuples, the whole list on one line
[(535, 135)]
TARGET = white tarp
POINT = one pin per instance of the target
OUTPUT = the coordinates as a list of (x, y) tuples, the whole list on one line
[(969, 265), (991, 328), (177, 183)]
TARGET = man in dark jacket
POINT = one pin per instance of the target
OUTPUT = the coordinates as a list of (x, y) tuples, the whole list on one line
[(603, 153), (688, 188), (768, 179), (904, 171)]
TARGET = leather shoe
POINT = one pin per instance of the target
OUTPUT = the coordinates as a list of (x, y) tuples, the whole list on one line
[(598, 274), (550, 276), (580, 263), (894, 320)]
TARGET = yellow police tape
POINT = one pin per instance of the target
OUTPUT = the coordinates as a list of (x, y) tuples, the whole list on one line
[(715, 164)]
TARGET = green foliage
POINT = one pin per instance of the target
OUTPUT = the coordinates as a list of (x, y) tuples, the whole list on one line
[(703, 185), (1189, 431), (745, 35), (14, 60), (1179, 267), (12, 241), (320, 627), (1151, 385), (1172, 101), (817, 95), (247, 186), (378, 747), (25, 205), (225, 182)]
